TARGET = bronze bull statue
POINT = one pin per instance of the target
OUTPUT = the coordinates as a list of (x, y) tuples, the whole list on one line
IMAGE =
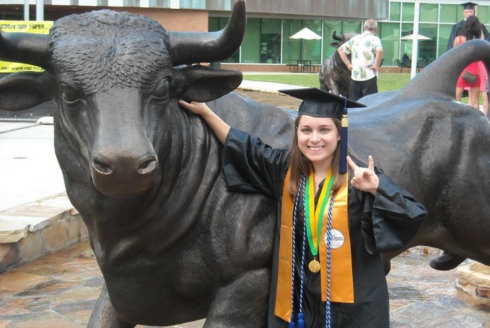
[(334, 76), (172, 244), (436, 148)]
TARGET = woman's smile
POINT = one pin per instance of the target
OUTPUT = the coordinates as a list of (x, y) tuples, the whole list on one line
[(317, 138)]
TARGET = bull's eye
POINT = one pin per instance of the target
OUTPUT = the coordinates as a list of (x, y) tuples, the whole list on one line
[(69, 94), (162, 89)]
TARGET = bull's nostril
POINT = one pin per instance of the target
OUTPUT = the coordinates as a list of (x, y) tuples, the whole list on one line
[(147, 167), (101, 167)]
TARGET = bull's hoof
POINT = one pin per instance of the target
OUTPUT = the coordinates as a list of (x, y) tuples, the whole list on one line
[(447, 261)]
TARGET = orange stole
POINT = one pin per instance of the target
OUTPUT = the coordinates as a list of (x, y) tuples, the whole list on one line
[(341, 280)]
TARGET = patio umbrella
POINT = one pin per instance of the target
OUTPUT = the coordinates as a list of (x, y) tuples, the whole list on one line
[(305, 34), (416, 37)]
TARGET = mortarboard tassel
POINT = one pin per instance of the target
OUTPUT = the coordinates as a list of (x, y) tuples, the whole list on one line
[(291, 323), (343, 140), (301, 320)]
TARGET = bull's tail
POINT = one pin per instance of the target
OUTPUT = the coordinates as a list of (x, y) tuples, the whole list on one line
[(440, 77)]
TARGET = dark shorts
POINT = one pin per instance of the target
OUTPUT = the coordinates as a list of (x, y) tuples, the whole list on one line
[(359, 89)]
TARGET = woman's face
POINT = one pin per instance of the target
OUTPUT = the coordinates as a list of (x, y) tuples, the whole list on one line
[(317, 138)]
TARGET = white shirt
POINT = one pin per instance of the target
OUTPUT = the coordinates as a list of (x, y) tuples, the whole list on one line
[(363, 48)]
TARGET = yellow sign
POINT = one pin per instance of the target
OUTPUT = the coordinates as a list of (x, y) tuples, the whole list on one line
[(22, 26)]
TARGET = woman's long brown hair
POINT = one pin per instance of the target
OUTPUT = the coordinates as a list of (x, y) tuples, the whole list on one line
[(300, 165)]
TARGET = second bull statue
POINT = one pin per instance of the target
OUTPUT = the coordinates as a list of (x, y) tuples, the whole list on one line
[(334, 76)]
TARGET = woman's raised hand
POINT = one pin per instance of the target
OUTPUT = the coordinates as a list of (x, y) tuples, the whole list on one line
[(364, 179), (219, 127), (196, 107)]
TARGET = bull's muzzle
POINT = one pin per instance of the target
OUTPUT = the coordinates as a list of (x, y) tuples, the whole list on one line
[(124, 177)]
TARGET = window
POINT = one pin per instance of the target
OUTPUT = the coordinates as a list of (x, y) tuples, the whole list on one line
[(483, 13), (389, 34), (408, 12), (444, 32), (270, 41), (216, 24), (406, 46), (427, 48), (352, 26), (395, 11), (193, 4), (312, 49), (329, 26), (428, 12), (291, 48), (251, 42), (451, 14)]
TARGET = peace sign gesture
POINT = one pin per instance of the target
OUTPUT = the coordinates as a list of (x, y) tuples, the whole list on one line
[(364, 178)]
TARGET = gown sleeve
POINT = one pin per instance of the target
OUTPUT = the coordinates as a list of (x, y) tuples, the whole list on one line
[(484, 30), (452, 36), (392, 218), (250, 165)]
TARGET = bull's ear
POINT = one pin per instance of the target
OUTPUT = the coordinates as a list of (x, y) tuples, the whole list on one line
[(24, 90), (201, 83)]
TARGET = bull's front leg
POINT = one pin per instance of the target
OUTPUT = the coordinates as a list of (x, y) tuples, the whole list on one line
[(242, 303), (104, 315)]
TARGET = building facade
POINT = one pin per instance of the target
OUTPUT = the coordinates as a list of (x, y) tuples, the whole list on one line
[(267, 39), (267, 45)]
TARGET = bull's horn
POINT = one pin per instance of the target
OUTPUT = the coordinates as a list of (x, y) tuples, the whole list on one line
[(335, 37), (197, 47), (26, 48)]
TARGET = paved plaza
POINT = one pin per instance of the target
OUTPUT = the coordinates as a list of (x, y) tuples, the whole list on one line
[(60, 290)]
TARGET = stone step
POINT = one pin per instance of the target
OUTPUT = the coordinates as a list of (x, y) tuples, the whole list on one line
[(473, 285), (35, 229)]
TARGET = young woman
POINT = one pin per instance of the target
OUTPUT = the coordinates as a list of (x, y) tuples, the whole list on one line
[(327, 270), (471, 30)]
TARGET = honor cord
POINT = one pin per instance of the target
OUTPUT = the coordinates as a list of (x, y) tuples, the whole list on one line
[(328, 315), (295, 213), (303, 255)]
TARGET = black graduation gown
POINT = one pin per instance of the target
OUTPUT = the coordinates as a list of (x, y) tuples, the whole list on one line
[(458, 30), (376, 224)]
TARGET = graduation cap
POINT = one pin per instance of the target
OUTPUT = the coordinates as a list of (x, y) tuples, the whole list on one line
[(469, 5), (319, 103)]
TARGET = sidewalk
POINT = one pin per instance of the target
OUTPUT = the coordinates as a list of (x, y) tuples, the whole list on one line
[(28, 167), (267, 87)]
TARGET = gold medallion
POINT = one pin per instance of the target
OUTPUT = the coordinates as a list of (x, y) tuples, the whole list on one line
[(314, 266)]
